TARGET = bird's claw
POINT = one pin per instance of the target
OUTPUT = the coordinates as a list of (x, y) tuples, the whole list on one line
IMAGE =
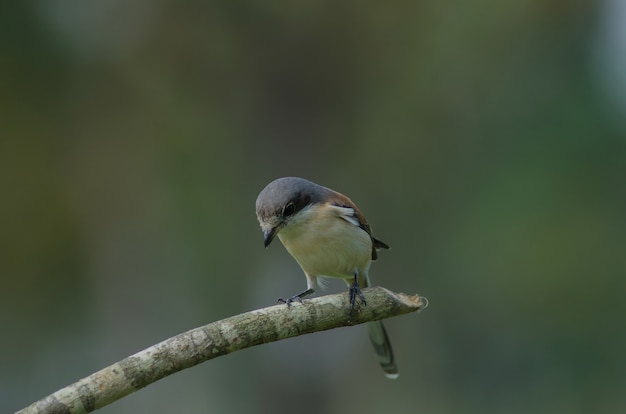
[(289, 301), (355, 292)]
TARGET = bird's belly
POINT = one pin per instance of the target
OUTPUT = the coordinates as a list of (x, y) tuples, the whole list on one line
[(339, 251)]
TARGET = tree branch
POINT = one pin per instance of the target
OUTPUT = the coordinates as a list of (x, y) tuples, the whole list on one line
[(220, 338)]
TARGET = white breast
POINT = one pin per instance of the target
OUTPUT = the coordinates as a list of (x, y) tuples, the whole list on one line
[(325, 241)]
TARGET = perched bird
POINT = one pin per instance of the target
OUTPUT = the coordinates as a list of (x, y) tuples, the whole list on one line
[(328, 236)]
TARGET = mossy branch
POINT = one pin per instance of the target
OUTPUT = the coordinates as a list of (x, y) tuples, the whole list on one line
[(220, 338)]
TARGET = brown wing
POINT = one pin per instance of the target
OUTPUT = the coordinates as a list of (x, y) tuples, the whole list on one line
[(343, 201)]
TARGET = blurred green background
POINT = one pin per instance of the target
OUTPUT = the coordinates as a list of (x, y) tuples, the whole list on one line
[(485, 141)]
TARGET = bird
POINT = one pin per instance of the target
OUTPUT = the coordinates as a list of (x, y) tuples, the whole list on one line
[(327, 234)]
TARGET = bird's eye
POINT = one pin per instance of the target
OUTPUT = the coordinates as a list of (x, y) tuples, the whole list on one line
[(289, 209)]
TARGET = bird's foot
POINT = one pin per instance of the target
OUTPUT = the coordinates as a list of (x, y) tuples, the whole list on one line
[(355, 292), (289, 301), (295, 298)]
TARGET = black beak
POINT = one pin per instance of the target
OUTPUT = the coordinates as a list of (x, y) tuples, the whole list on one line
[(268, 235)]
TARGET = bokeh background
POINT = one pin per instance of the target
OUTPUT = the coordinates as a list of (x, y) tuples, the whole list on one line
[(484, 140)]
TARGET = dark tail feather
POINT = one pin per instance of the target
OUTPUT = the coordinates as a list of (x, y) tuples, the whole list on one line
[(377, 245), (382, 346)]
